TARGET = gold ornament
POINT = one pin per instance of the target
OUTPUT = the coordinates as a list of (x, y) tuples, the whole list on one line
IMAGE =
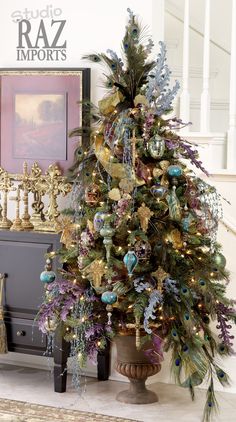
[(162, 172), (67, 229), (95, 271), (144, 214), (114, 194), (160, 275), (174, 236), (126, 185)]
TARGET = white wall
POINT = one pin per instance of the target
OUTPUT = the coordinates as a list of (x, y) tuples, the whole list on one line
[(95, 25)]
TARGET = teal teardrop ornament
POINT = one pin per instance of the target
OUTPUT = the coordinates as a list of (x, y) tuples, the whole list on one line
[(156, 146), (130, 260)]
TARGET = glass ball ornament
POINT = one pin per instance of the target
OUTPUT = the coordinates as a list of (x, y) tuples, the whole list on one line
[(98, 220), (130, 260), (92, 194), (109, 297), (47, 277), (142, 250), (156, 146), (158, 191), (174, 171), (219, 260)]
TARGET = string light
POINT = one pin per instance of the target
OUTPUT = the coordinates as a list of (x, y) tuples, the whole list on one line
[(98, 343)]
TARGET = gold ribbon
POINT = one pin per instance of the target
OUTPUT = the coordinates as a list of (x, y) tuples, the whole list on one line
[(116, 170), (162, 172)]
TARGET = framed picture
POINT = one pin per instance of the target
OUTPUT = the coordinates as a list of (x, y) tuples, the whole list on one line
[(38, 109)]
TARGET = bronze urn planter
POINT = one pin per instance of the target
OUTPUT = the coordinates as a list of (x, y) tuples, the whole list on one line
[(133, 364)]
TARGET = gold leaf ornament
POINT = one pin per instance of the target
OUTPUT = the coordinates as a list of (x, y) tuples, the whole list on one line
[(144, 215), (108, 104), (114, 194)]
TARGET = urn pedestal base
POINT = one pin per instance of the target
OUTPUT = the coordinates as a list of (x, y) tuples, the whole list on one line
[(133, 364), (137, 393)]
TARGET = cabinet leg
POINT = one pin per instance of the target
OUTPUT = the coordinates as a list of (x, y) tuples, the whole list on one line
[(103, 361), (61, 352)]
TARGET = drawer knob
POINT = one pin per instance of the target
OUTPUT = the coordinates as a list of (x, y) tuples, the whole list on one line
[(20, 333)]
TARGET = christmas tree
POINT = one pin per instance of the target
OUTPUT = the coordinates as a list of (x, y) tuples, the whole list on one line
[(141, 249)]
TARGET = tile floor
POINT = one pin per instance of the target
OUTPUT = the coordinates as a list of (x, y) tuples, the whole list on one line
[(36, 386)]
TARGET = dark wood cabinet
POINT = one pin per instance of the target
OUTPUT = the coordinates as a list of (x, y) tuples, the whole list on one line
[(22, 258)]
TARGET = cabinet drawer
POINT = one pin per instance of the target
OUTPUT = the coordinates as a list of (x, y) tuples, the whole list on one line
[(24, 333)]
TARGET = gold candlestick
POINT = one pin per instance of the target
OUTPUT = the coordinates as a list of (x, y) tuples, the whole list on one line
[(26, 187), (5, 186), (38, 217), (17, 222)]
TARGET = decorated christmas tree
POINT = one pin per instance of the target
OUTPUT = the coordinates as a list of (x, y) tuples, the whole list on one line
[(140, 251)]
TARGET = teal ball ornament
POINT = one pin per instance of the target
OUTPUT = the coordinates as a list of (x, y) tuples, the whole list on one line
[(156, 146), (158, 191), (174, 171), (98, 220), (109, 298), (47, 277), (219, 260), (130, 260)]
